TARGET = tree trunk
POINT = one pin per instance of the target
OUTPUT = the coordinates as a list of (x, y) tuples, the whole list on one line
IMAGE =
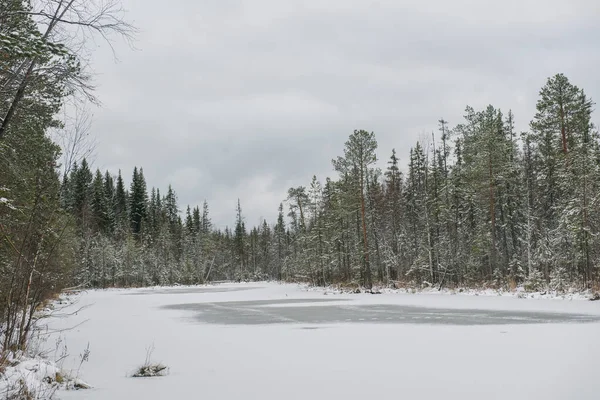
[(18, 97)]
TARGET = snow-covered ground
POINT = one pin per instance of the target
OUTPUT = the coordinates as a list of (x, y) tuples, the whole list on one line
[(37, 373), (271, 341), (28, 376)]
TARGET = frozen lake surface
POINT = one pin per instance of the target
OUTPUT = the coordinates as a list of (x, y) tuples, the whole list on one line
[(273, 341), (318, 311)]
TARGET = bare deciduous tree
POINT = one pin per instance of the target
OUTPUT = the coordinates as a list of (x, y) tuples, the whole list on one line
[(75, 138)]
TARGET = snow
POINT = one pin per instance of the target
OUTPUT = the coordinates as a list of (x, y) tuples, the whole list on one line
[(28, 374), (33, 374), (520, 292), (7, 203), (326, 360), (37, 377)]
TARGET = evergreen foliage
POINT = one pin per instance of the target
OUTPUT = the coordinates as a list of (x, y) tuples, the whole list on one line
[(481, 205)]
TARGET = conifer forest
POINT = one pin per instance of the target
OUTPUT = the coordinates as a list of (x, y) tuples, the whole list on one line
[(479, 204)]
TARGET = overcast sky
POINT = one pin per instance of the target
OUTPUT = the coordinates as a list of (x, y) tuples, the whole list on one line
[(229, 99)]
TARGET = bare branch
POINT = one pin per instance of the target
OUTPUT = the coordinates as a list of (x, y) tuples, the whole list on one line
[(75, 138)]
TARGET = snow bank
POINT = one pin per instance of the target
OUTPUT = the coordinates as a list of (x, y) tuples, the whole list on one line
[(29, 377), (33, 376), (520, 292)]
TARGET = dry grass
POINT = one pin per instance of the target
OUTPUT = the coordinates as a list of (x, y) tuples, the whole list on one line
[(150, 369)]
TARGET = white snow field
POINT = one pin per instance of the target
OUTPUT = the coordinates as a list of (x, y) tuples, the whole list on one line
[(274, 341)]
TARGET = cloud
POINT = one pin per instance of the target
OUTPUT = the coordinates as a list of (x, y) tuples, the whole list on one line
[(232, 99)]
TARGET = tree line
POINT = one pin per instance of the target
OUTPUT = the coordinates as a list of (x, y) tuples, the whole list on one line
[(478, 204)]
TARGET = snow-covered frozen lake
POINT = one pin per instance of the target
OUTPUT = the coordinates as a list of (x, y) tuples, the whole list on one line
[(272, 341)]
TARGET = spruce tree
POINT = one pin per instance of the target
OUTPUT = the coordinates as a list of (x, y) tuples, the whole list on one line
[(100, 205), (120, 203), (137, 201), (189, 222), (171, 207), (82, 194)]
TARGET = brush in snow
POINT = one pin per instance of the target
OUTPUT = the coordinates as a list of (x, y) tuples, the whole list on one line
[(148, 371)]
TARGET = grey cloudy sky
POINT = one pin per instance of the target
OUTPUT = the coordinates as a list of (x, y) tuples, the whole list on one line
[(245, 98)]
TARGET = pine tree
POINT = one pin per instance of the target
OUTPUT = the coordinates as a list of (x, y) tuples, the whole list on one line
[(280, 239), (561, 134), (240, 241), (359, 154), (298, 200)]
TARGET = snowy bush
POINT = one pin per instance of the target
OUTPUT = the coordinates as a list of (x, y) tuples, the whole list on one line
[(149, 368)]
